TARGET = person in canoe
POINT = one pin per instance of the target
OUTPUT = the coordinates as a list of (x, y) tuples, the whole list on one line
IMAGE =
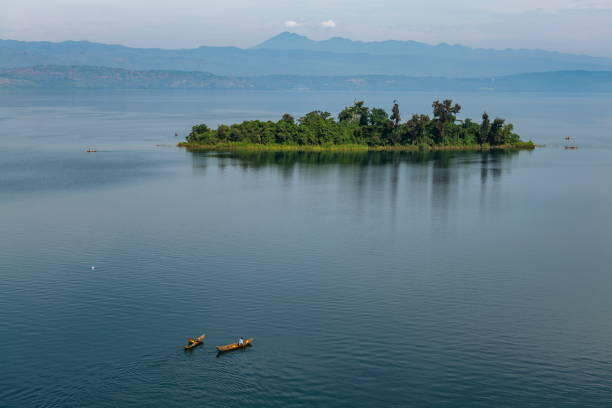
[(191, 341), (241, 342)]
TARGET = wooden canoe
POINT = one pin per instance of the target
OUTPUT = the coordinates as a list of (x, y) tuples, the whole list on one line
[(235, 346), (198, 341)]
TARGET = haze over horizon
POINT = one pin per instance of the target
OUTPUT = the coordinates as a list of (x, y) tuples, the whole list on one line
[(288, 32), (568, 26)]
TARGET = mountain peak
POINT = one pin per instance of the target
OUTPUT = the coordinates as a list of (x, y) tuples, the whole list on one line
[(285, 40), (289, 41), (340, 39), (289, 34)]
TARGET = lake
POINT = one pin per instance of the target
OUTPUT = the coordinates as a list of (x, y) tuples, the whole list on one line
[(446, 279)]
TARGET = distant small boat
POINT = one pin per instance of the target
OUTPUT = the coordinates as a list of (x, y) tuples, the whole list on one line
[(235, 346), (571, 147), (91, 150), (195, 342)]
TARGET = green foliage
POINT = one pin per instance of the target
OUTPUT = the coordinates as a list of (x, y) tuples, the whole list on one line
[(444, 114), (495, 132), (288, 118), (364, 126), (356, 114)]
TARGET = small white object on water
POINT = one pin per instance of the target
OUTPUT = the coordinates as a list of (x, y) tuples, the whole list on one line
[(93, 267)]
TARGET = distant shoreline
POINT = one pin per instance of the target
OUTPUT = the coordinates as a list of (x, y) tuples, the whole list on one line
[(100, 77)]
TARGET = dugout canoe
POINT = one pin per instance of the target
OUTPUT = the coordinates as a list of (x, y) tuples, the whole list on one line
[(235, 346), (198, 341)]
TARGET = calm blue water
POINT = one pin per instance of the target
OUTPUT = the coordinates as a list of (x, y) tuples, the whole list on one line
[(448, 279)]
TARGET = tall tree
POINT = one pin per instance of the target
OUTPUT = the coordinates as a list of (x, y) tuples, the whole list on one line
[(395, 115), (483, 136)]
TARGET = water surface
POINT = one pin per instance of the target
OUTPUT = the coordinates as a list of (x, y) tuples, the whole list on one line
[(367, 279)]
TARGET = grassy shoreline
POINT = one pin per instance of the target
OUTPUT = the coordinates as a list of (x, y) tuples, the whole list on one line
[(348, 147)]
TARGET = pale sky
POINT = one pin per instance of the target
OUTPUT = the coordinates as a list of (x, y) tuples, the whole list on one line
[(576, 26)]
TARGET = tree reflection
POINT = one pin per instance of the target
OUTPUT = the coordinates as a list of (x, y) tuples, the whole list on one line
[(397, 175)]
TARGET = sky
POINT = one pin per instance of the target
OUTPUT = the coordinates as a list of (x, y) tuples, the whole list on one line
[(575, 26)]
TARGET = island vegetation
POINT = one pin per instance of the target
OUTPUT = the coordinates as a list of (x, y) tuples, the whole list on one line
[(359, 127)]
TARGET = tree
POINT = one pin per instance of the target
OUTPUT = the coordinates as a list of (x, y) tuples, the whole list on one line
[(469, 132), (288, 118), (444, 113), (378, 118), (483, 136), (508, 135), (321, 128), (286, 132), (495, 133), (201, 134), (356, 114), (416, 129), (316, 117), (200, 128), (395, 115)]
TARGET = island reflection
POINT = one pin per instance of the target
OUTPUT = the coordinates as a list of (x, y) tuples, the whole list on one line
[(488, 164), (441, 178)]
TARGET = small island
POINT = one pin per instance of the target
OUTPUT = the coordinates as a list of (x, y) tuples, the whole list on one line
[(359, 127)]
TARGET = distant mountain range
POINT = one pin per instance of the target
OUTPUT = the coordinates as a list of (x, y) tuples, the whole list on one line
[(105, 77), (292, 54)]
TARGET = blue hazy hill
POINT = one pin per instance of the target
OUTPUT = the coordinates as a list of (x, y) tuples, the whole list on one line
[(291, 54), (292, 41)]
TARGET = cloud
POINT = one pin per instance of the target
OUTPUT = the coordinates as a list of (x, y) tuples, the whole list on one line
[(328, 24), (292, 24)]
